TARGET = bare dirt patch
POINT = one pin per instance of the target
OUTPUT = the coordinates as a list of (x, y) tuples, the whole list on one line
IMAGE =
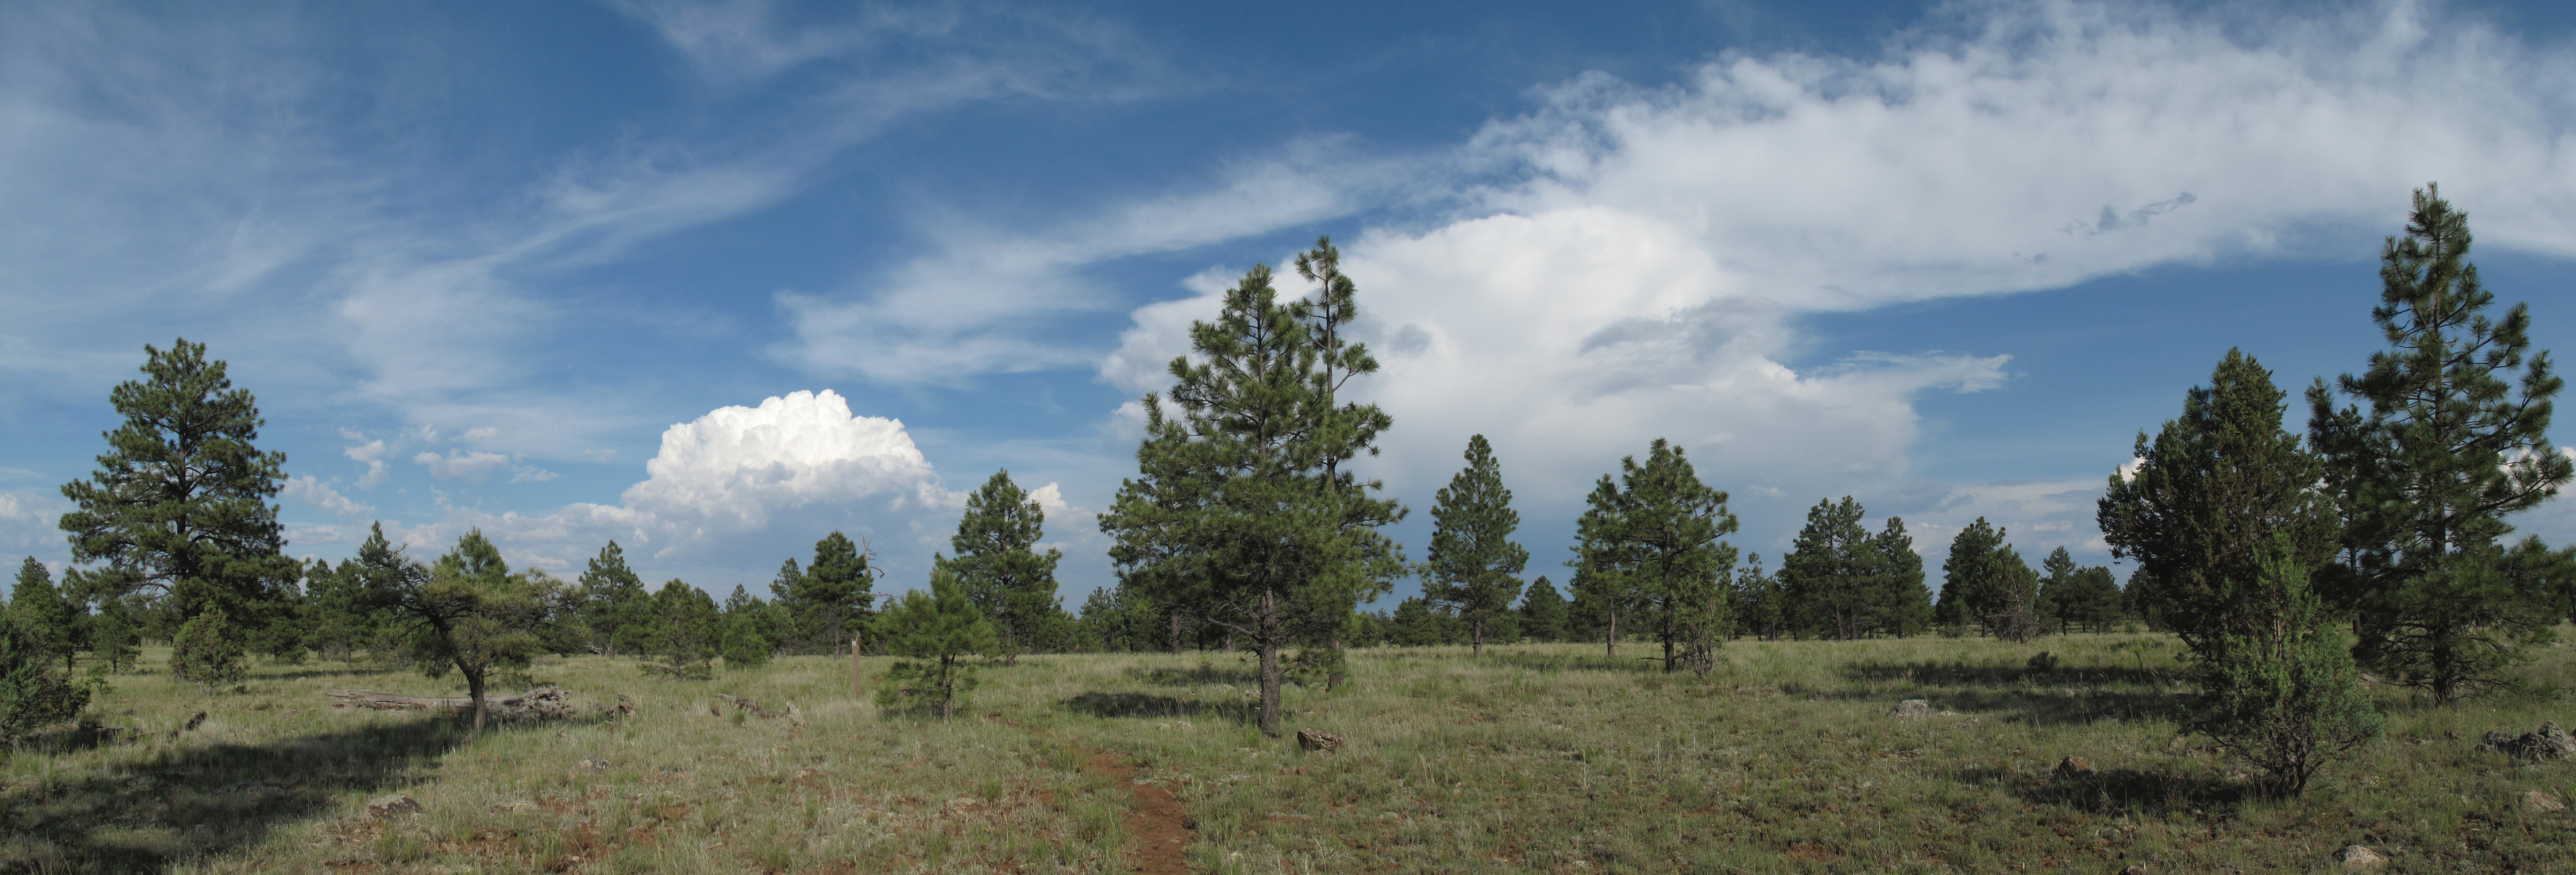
[(1159, 823)]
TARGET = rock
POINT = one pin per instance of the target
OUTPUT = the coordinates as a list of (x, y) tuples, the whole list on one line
[(391, 806), (2547, 743), (595, 765), (1319, 740), (2135, 869), (2360, 859), (2072, 767), (1913, 709), (2542, 801)]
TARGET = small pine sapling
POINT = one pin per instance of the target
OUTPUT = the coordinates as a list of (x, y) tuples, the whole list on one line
[(208, 652), (934, 632), (2287, 698)]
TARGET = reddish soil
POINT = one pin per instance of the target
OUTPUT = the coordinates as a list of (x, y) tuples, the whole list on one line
[(1160, 825)]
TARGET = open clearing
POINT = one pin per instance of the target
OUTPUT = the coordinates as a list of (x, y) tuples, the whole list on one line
[(1547, 758)]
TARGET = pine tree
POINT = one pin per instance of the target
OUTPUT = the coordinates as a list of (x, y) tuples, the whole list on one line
[(1904, 603), (1993, 588), (829, 599), (345, 616), (1473, 563), (747, 642), (998, 564), (1656, 534), (31, 696), (208, 652), (939, 629), (2287, 697), (1761, 603), (467, 613), (687, 631), (48, 623), (179, 504), (2057, 573), (2448, 447), (2208, 493), (1830, 575), (1239, 515), (1543, 612), (614, 604)]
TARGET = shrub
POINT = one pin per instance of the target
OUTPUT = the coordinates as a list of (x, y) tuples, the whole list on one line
[(208, 652)]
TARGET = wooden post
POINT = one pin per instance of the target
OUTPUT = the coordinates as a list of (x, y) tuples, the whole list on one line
[(858, 677)]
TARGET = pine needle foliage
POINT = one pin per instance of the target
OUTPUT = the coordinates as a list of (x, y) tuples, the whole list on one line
[(1653, 537), (1241, 516), (935, 632), (2453, 440), (998, 564), (32, 696), (2288, 698), (1474, 566), (180, 502), (208, 652)]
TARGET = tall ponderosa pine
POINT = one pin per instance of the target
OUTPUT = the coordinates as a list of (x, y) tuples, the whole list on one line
[(830, 599), (1904, 602), (1654, 536), (1831, 575), (2203, 501), (179, 503), (614, 603), (998, 564), (1474, 567), (2448, 447), (1240, 514)]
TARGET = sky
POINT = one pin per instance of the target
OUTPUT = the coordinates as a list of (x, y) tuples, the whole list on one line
[(715, 279)]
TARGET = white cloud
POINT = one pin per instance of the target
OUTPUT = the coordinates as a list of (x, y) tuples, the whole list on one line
[(472, 466), (313, 491), (373, 454), (737, 478), (27, 522), (737, 465)]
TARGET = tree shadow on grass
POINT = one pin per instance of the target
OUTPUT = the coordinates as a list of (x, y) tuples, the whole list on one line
[(1150, 705), (304, 673), (2119, 791), (1575, 662), (1963, 675), (1205, 673), (194, 801)]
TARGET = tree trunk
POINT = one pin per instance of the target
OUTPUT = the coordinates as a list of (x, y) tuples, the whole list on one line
[(1610, 639), (1268, 642), (858, 676), (1668, 636), (1476, 636), (1176, 633), (946, 687), (474, 690)]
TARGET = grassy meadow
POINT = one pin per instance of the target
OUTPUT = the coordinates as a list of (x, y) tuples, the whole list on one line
[(1532, 758)]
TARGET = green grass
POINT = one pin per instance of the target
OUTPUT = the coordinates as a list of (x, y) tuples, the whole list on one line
[(1546, 758)]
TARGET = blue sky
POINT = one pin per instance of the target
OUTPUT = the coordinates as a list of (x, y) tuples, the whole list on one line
[(561, 270)]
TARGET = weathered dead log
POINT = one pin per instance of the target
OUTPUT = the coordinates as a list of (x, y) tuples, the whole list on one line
[(744, 703), (539, 703)]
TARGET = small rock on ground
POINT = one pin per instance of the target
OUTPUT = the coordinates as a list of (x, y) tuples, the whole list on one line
[(390, 806), (2073, 767), (2360, 859), (1913, 708), (2542, 801)]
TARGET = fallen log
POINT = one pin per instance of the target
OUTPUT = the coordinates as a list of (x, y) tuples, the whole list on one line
[(542, 702)]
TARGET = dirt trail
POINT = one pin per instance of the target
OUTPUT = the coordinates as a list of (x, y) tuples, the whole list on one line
[(1162, 828), (1159, 823)]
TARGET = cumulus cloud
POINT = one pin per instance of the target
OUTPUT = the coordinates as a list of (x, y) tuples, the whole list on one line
[(736, 476), (737, 465)]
